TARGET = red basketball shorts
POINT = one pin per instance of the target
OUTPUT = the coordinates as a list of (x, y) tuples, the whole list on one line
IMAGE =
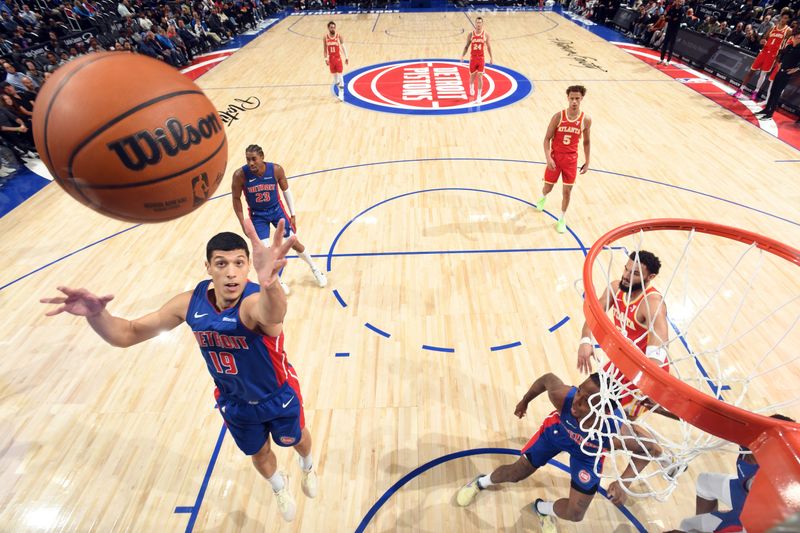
[(566, 168)]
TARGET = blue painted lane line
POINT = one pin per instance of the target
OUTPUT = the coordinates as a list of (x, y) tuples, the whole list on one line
[(558, 324), (505, 346), (466, 453), (377, 330), (437, 348), (195, 509), (342, 354), (339, 297)]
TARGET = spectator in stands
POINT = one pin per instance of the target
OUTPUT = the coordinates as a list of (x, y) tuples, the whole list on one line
[(19, 110), (7, 24), (29, 17), (790, 67), (172, 34), (751, 40), (12, 76), (651, 29), (736, 37), (690, 21), (94, 46), (190, 38), (30, 89), (80, 12), (641, 22), (33, 72), (145, 23), (215, 24), (124, 9), (20, 39), (722, 31), (177, 54), (16, 133), (24, 99), (53, 62), (765, 24)]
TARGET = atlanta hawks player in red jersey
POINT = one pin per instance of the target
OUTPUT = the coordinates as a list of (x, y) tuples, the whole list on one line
[(333, 46), (561, 149), (765, 60), (639, 312), (477, 42)]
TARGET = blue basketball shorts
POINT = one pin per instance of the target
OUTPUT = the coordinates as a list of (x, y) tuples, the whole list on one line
[(280, 415)]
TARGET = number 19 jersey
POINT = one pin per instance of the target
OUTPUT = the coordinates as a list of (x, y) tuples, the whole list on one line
[(244, 364)]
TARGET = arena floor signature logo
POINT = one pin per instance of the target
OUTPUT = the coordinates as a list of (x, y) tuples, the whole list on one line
[(431, 87)]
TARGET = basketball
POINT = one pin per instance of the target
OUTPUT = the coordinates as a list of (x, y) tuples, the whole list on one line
[(130, 137)]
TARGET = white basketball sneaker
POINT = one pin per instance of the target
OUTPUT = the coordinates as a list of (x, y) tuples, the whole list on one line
[(286, 504), (320, 277), (308, 481)]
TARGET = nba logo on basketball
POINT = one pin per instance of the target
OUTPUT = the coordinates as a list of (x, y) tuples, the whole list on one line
[(432, 87)]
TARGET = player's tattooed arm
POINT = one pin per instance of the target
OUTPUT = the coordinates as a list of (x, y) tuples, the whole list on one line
[(552, 384)]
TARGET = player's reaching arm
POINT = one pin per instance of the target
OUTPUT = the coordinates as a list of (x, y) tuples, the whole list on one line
[(653, 314), (644, 450), (466, 46), (266, 312), (117, 331), (344, 50), (586, 348), (283, 183), (556, 391), (548, 139), (325, 49), (587, 124), (489, 49), (237, 187)]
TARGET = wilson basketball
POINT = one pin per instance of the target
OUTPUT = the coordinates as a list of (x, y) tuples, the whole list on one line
[(130, 137)]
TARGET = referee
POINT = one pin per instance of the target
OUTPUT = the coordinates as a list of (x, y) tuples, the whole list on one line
[(790, 66), (674, 15)]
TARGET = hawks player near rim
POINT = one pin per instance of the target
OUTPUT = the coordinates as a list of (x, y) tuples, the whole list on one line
[(333, 47), (561, 149), (640, 313), (477, 42)]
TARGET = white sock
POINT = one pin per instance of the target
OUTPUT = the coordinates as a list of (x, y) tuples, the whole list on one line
[(306, 463), (761, 79), (307, 258), (276, 481), (485, 481), (563, 215), (545, 507)]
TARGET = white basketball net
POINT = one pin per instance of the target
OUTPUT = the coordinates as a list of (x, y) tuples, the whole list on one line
[(733, 312)]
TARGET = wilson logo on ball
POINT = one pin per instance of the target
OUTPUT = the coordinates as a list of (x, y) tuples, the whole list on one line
[(144, 148), (432, 87)]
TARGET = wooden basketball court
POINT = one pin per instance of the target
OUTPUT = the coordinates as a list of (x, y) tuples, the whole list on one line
[(444, 284)]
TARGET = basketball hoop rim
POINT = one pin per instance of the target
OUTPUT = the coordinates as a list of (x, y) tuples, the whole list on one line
[(699, 409)]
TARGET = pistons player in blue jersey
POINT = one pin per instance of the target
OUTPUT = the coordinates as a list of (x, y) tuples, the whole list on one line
[(260, 181), (731, 491), (238, 325), (560, 432)]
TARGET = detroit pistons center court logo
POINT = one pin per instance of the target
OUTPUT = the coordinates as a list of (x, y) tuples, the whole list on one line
[(431, 87)]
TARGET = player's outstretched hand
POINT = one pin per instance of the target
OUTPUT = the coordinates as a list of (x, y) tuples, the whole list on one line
[(584, 168), (617, 494), (79, 302), (521, 409), (268, 260), (585, 356)]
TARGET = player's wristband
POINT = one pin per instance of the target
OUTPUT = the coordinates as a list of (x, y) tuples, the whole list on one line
[(587, 340), (656, 353)]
